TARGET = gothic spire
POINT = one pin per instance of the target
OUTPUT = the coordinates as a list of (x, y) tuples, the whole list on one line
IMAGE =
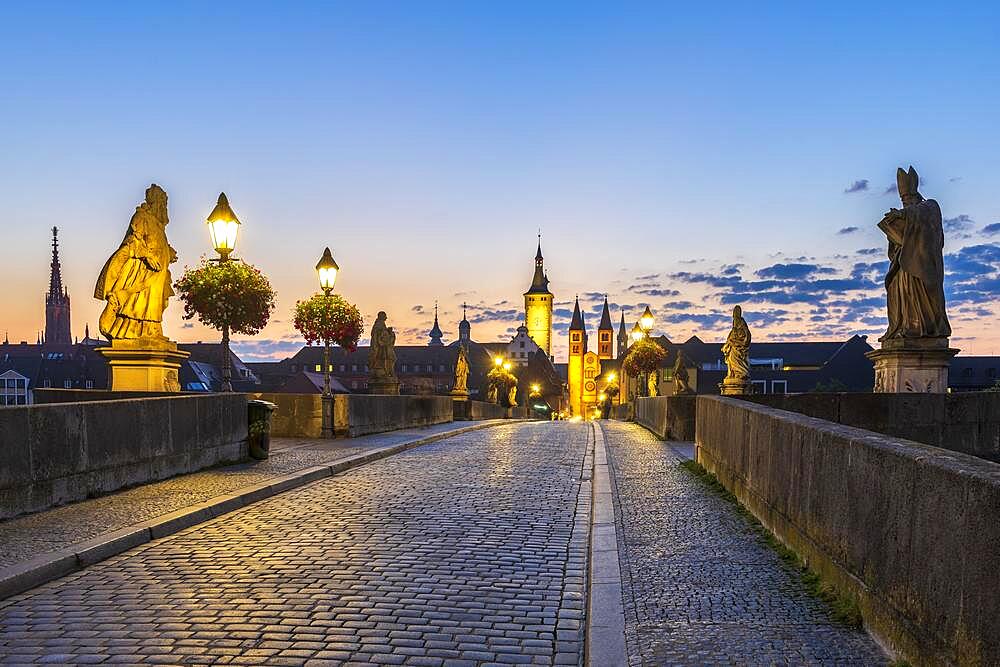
[(605, 324), (540, 281), (436, 333), (577, 323), (55, 277)]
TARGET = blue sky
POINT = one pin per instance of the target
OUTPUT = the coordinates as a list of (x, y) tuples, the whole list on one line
[(426, 143)]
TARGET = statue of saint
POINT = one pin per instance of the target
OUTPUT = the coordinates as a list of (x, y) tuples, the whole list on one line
[(681, 376), (382, 352), (915, 281), (461, 371), (737, 350), (135, 281), (652, 383), (512, 397)]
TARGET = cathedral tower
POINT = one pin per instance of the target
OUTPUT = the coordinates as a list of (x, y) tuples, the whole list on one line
[(56, 301), (436, 332), (538, 305), (605, 334), (622, 337), (464, 330), (574, 370)]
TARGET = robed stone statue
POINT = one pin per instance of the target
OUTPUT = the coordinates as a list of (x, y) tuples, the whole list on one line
[(461, 373), (382, 352), (737, 353), (915, 281), (135, 281), (681, 377)]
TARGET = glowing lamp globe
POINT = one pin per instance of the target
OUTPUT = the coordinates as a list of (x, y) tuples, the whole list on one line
[(327, 270), (498, 361), (646, 321), (611, 376), (223, 225), (637, 333), (507, 366)]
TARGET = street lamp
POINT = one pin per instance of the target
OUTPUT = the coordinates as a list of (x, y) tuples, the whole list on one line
[(646, 321), (223, 226), (498, 361), (327, 270), (637, 333)]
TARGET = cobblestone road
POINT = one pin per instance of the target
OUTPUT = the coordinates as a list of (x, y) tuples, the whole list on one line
[(699, 586), (29, 536), (467, 551)]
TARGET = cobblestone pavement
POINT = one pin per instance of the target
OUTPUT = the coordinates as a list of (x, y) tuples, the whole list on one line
[(471, 550), (61, 527), (699, 586)]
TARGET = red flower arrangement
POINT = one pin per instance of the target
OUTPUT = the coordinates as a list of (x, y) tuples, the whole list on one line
[(644, 356), (221, 293), (329, 318)]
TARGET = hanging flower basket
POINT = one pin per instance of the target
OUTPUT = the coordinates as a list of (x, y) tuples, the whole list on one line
[(645, 356), (329, 318), (221, 293)]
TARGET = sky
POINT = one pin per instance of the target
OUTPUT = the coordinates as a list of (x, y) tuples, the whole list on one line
[(688, 156)]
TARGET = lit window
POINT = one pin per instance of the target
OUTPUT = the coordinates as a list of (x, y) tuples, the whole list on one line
[(67, 384), (354, 368), (90, 384), (319, 368)]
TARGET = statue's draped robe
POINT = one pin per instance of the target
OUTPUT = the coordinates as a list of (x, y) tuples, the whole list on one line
[(737, 351), (915, 281), (381, 355), (138, 278)]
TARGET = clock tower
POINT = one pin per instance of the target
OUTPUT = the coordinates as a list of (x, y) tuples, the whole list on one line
[(538, 305)]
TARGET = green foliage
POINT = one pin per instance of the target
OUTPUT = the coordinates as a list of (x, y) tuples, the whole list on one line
[(645, 356), (843, 607), (328, 318), (231, 293)]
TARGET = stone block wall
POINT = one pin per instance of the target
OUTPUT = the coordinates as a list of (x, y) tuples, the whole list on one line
[(57, 453), (910, 529), (963, 422), (478, 410), (301, 415), (668, 417)]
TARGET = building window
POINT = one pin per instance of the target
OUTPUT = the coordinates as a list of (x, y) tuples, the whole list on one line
[(90, 384), (575, 337), (759, 386), (354, 385), (991, 373), (442, 369), (67, 384), (343, 368), (319, 368), (47, 383), (14, 391), (967, 372), (354, 368), (779, 386), (576, 349), (522, 344)]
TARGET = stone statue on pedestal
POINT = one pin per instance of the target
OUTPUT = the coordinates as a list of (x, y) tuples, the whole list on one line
[(461, 389), (652, 383), (512, 397), (382, 358), (737, 353), (681, 377), (915, 355), (135, 282)]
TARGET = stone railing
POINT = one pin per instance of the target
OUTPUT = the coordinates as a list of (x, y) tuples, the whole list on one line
[(668, 417), (61, 452), (478, 410), (964, 422), (301, 415), (909, 529)]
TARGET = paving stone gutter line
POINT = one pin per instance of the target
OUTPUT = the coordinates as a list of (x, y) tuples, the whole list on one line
[(605, 644), (28, 574)]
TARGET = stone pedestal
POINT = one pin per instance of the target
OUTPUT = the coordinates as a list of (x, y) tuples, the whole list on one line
[(459, 395), (917, 365), (734, 387), (143, 364), (385, 386)]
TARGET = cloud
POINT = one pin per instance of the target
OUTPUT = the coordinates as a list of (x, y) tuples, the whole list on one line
[(417, 309), (857, 186), (651, 276), (847, 230), (792, 271), (732, 269), (954, 179), (960, 223), (659, 292), (991, 229), (890, 189), (868, 251)]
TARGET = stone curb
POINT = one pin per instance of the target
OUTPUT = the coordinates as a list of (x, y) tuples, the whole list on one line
[(28, 574), (605, 608)]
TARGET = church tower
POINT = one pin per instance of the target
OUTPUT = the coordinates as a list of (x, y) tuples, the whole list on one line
[(577, 349), (622, 337), (538, 305), (56, 302), (464, 330), (605, 334), (436, 332)]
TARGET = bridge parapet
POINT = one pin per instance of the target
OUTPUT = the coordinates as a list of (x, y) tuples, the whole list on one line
[(910, 529)]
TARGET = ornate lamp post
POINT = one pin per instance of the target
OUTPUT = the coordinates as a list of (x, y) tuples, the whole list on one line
[(223, 225), (327, 269), (646, 322)]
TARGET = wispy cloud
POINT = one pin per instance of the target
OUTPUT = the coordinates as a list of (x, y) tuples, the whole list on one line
[(991, 229), (847, 230), (857, 186)]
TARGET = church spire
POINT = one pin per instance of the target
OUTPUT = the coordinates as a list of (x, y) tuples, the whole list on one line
[(464, 328), (56, 301), (540, 281), (436, 333), (55, 275)]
